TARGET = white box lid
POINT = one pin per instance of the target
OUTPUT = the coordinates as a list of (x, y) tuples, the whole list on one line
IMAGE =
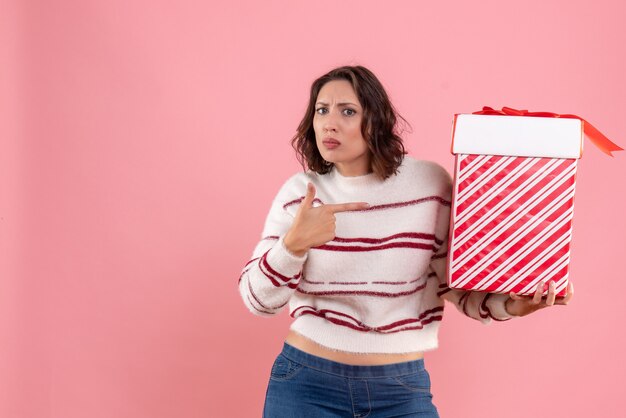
[(523, 136)]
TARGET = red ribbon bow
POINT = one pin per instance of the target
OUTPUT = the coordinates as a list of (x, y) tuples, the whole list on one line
[(592, 133)]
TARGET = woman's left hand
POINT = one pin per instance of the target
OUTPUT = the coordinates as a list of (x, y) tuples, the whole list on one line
[(523, 305)]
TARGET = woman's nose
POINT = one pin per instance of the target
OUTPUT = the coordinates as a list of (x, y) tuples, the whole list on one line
[(331, 121)]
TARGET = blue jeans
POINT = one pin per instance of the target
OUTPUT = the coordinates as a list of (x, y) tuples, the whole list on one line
[(307, 386)]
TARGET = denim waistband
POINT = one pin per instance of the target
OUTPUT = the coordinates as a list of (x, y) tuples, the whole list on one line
[(349, 370)]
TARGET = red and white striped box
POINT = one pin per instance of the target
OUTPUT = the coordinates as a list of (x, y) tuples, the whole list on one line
[(513, 202)]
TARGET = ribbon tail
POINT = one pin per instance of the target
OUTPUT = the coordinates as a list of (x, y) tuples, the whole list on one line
[(600, 141)]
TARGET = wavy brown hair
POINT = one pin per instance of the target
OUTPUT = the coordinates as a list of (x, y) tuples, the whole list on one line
[(379, 125)]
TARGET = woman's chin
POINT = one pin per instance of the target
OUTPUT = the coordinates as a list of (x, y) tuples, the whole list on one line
[(328, 158)]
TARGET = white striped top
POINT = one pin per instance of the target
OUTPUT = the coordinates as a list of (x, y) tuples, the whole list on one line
[(378, 286)]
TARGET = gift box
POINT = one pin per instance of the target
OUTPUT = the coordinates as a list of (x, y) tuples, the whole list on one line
[(513, 199)]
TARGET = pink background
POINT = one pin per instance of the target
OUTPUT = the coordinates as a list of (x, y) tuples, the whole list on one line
[(143, 141)]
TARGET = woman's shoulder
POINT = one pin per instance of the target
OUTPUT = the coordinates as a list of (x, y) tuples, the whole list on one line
[(301, 178), (295, 185), (427, 171)]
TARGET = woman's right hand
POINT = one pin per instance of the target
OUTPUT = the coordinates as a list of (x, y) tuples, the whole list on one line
[(314, 226)]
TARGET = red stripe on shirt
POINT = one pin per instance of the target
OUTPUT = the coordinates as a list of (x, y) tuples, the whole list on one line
[(353, 248), (443, 292), (416, 235), (257, 309), (300, 199), (271, 278), (274, 272), (360, 326), (259, 301), (383, 206), (485, 308), (367, 240), (361, 292)]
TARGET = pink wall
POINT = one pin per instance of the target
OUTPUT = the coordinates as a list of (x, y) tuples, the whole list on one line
[(142, 144)]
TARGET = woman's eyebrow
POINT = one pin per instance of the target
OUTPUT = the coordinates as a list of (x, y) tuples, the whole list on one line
[(338, 104)]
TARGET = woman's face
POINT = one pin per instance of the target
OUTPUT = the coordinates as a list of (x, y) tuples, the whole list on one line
[(337, 125)]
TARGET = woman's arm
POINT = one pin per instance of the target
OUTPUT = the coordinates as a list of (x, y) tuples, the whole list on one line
[(272, 274)]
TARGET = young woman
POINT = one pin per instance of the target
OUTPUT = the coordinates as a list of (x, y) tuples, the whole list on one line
[(356, 246)]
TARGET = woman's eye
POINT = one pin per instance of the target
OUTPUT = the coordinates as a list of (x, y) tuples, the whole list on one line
[(353, 112)]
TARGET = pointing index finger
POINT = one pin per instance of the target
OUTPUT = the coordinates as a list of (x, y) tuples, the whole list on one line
[(345, 207)]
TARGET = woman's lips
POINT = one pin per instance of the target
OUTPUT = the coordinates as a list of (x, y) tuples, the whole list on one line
[(331, 144)]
